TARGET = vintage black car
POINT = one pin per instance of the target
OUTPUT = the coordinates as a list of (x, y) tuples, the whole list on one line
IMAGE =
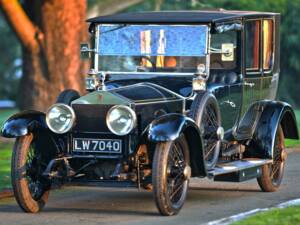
[(170, 96)]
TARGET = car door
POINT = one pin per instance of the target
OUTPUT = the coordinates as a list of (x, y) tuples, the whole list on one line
[(252, 78), (225, 79)]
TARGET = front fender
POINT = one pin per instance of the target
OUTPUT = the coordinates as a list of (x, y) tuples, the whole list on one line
[(169, 127), (22, 123), (274, 113)]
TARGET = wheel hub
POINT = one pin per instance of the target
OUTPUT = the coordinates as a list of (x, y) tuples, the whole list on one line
[(283, 155), (187, 172), (220, 133)]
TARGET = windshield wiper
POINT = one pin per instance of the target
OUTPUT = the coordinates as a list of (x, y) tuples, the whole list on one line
[(116, 28)]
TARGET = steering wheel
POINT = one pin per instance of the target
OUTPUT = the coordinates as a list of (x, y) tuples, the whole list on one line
[(153, 64)]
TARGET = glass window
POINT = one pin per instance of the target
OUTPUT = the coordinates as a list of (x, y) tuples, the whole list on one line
[(252, 40), (268, 44), (217, 40), (151, 48)]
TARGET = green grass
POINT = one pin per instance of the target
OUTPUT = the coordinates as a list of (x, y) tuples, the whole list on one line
[(5, 157), (294, 143), (5, 113), (287, 216), (5, 152)]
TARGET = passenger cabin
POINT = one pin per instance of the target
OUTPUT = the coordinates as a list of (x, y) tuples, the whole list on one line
[(251, 66)]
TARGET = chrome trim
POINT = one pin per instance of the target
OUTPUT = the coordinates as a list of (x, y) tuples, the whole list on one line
[(250, 84), (72, 119), (96, 58), (133, 124), (149, 73), (157, 102)]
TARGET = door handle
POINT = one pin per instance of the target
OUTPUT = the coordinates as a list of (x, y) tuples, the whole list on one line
[(232, 104), (249, 84)]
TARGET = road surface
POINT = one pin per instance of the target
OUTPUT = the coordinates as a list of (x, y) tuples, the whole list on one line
[(206, 201)]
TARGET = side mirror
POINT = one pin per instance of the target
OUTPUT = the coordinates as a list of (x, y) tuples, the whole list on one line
[(85, 51), (227, 52)]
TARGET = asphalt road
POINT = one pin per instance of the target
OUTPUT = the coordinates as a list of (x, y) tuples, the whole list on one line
[(206, 201)]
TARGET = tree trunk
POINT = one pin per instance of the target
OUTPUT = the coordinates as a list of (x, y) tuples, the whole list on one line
[(51, 60)]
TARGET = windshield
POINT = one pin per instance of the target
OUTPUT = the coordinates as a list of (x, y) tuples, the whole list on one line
[(151, 48)]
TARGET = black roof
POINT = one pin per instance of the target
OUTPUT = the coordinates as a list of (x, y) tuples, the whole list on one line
[(177, 16)]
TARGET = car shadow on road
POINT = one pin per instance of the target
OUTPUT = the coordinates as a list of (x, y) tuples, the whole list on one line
[(224, 189), (100, 211)]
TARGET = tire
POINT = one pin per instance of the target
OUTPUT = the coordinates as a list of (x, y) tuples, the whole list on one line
[(206, 114), (170, 175), (272, 174), (67, 96), (29, 201)]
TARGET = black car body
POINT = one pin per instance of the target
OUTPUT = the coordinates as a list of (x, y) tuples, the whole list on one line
[(171, 95)]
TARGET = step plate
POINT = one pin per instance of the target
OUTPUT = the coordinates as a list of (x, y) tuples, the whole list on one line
[(236, 166)]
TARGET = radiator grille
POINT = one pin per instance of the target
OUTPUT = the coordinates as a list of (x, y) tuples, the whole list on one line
[(90, 118)]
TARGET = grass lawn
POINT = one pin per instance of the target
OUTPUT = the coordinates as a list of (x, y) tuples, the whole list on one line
[(294, 143), (5, 157), (5, 113), (5, 152), (287, 216)]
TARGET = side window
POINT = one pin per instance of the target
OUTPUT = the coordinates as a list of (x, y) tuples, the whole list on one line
[(268, 44), (252, 42), (217, 41)]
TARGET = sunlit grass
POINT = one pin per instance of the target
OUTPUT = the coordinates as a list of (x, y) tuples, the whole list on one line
[(5, 158), (294, 143), (288, 216), (5, 114), (5, 152)]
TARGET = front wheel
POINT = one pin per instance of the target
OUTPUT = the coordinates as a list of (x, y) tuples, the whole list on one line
[(170, 175), (31, 190), (272, 173)]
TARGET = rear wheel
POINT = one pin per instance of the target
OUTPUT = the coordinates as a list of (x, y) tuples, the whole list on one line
[(206, 113), (30, 188), (170, 175), (272, 174)]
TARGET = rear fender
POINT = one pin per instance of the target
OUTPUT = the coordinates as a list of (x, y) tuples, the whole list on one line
[(274, 113), (169, 127)]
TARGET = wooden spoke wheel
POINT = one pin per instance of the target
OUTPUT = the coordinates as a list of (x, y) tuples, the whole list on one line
[(30, 188), (272, 174), (170, 175)]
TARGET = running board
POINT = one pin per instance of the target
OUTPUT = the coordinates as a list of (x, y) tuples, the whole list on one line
[(238, 171)]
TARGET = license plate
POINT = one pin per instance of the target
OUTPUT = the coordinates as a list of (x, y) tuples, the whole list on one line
[(97, 145)]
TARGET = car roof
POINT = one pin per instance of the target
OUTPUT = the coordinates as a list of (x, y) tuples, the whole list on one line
[(202, 16)]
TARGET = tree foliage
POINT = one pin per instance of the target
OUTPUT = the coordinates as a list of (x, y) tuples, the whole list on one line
[(10, 62)]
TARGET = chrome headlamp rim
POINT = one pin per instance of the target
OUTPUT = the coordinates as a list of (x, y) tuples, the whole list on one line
[(131, 111), (72, 122)]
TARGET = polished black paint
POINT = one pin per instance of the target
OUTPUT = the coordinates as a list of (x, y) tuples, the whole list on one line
[(162, 119), (273, 114), (24, 122), (169, 127), (177, 17)]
